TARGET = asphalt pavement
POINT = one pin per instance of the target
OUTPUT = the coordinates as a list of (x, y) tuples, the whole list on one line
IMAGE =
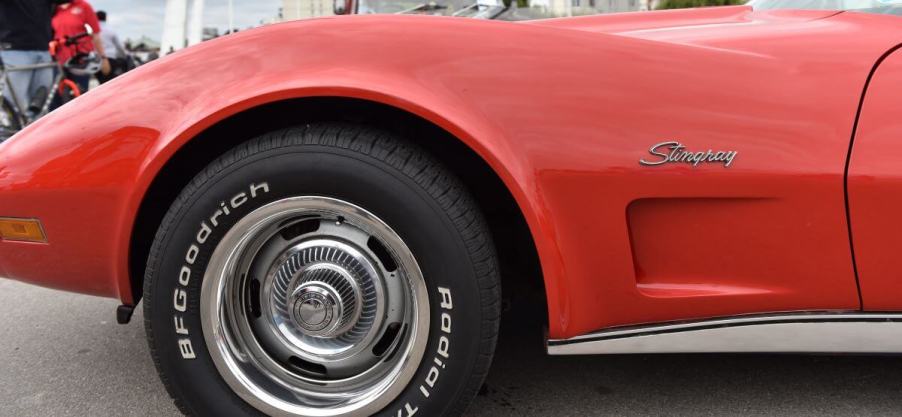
[(64, 355)]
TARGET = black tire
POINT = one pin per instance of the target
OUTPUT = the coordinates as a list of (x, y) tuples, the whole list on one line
[(380, 172)]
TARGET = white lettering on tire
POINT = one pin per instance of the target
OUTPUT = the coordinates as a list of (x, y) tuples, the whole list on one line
[(180, 295), (442, 353), (407, 411)]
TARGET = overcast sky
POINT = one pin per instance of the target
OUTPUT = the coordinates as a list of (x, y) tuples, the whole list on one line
[(133, 18)]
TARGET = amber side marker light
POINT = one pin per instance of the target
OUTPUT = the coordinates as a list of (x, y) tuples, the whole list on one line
[(22, 230)]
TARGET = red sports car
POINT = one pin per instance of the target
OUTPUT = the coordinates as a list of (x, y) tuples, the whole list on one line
[(317, 215)]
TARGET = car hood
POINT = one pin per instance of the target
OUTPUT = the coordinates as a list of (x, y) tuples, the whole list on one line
[(695, 25)]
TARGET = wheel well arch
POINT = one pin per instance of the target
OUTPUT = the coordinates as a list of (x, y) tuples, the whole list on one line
[(521, 272)]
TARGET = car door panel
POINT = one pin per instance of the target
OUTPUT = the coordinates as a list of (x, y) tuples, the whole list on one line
[(875, 189), (655, 243)]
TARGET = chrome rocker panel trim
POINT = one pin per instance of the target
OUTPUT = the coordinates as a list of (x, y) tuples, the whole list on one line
[(788, 333)]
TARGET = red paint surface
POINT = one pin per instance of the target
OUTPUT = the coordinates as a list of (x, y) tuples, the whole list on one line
[(562, 110)]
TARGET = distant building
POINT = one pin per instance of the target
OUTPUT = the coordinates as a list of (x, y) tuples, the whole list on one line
[(584, 7), (305, 9), (210, 33), (144, 48), (144, 44), (615, 6)]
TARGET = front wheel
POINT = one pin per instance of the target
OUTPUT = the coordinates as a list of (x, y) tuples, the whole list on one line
[(333, 270)]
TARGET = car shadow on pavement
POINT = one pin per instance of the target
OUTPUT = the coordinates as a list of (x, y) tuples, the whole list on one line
[(524, 381), (63, 355)]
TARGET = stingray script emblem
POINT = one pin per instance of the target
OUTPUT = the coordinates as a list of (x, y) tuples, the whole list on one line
[(675, 153)]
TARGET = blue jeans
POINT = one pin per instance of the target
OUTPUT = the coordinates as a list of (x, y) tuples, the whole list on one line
[(25, 84)]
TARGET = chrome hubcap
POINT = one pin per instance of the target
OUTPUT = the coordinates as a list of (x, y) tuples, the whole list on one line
[(314, 307)]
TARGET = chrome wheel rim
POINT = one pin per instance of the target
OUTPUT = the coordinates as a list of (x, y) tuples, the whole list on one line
[(313, 306)]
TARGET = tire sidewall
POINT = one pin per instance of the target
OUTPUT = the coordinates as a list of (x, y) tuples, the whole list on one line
[(257, 179)]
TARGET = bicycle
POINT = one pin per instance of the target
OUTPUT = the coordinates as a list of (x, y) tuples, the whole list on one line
[(14, 114)]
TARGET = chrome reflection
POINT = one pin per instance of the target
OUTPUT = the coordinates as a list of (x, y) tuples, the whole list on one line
[(295, 302)]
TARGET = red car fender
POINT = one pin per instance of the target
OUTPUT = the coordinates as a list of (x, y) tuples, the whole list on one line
[(475, 132), (235, 93)]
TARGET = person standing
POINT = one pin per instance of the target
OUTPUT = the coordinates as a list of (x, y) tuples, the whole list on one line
[(25, 32), (70, 20), (115, 52)]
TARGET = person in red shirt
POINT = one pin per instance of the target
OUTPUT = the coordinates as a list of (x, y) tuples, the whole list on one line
[(69, 20)]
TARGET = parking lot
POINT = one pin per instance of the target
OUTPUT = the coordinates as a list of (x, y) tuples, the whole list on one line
[(64, 355)]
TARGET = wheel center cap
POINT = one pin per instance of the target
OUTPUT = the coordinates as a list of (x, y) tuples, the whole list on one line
[(315, 309), (326, 301)]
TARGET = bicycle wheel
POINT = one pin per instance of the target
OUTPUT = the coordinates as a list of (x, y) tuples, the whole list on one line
[(9, 119)]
